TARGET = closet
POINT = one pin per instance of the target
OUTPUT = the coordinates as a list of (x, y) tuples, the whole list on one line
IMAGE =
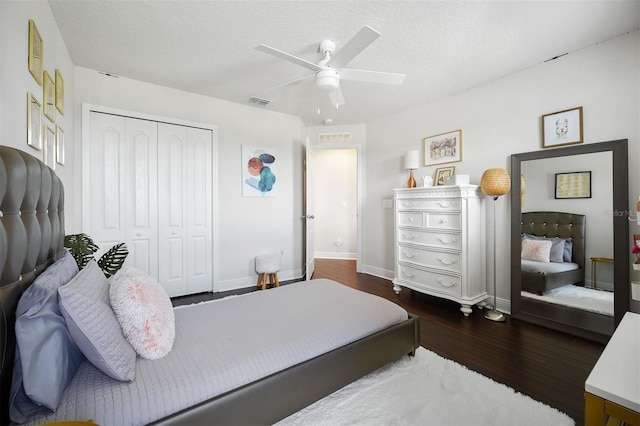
[(149, 184)]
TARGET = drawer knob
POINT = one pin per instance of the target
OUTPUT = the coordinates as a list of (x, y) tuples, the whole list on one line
[(412, 219), (443, 241), (408, 274), (443, 284), (409, 204), (445, 261), (446, 204), (444, 221), (409, 236), (410, 255)]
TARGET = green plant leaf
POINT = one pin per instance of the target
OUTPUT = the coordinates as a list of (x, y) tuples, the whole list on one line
[(81, 247), (113, 259)]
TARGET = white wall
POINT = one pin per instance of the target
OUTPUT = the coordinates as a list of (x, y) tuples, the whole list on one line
[(16, 81), (501, 118), (248, 226)]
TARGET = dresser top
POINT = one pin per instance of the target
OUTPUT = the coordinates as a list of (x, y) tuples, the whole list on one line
[(616, 375), (439, 191)]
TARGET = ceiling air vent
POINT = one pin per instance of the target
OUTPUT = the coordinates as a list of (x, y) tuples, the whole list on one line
[(324, 138), (259, 101)]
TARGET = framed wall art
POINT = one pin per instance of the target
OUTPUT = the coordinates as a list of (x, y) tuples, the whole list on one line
[(444, 175), (36, 51), (259, 171), (562, 128), (49, 147), (49, 97), (59, 92), (34, 122), (59, 145), (443, 148), (573, 185)]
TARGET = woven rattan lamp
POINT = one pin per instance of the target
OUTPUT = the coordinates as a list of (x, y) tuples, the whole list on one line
[(495, 182), (411, 163)]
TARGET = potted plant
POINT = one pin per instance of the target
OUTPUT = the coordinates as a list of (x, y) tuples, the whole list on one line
[(636, 250), (82, 248)]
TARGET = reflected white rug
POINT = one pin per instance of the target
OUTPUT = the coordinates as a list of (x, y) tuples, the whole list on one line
[(598, 301), (427, 390)]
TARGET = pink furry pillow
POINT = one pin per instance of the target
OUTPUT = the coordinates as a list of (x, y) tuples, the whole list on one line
[(144, 311), (538, 250)]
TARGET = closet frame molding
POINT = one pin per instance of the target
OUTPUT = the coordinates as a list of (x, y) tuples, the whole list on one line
[(87, 109)]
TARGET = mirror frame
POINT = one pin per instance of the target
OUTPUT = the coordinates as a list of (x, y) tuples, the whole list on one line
[(620, 212)]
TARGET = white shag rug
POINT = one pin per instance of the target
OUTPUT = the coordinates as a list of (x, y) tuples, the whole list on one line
[(427, 390), (573, 296)]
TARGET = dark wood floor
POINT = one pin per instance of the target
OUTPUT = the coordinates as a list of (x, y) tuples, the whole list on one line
[(547, 365)]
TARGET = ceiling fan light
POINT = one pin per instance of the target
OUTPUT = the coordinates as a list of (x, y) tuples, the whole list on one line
[(327, 80)]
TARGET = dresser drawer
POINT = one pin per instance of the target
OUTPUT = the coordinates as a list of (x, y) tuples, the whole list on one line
[(444, 221), (433, 259), (433, 239), (411, 219), (431, 281), (435, 204)]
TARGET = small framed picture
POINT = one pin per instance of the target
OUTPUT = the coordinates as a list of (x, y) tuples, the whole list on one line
[(34, 122), (59, 92), (49, 97), (59, 145), (443, 148), (49, 147), (36, 51), (562, 128), (573, 185), (444, 175)]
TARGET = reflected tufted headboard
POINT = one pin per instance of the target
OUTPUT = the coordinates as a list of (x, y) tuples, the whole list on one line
[(31, 238), (558, 224)]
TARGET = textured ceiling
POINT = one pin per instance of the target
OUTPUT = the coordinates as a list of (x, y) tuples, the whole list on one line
[(444, 47)]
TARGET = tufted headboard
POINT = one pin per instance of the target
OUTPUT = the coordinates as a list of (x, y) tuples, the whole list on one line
[(558, 224), (31, 238)]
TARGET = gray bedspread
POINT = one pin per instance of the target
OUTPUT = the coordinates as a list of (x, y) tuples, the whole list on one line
[(227, 343)]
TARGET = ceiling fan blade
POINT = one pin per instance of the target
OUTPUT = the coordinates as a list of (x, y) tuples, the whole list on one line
[(371, 76), (288, 57), (292, 82), (337, 99), (353, 47)]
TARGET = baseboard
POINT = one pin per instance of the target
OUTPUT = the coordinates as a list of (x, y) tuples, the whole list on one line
[(378, 272), (245, 282), (334, 255)]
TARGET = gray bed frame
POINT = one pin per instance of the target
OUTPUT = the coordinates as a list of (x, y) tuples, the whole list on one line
[(551, 225), (32, 237)]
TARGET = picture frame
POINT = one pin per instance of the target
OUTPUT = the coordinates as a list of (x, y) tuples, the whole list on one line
[(562, 128), (59, 145), (49, 143), (36, 52), (444, 175), (443, 148), (34, 122), (59, 92), (49, 96), (573, 185)]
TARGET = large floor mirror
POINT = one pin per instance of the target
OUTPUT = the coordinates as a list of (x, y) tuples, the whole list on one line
[(578, 194)]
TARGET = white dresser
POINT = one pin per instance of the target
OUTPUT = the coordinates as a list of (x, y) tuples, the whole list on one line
[(440, 243)]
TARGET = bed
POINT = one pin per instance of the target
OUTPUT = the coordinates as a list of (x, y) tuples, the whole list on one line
[(565, 229), (31, 242)]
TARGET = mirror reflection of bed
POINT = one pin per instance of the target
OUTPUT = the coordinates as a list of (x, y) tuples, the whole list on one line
[(575, 300)]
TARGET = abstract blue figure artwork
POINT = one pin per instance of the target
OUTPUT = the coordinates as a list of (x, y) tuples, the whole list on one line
[(258, 172)]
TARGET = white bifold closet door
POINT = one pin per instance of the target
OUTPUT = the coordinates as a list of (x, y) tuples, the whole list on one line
[(150, 186)]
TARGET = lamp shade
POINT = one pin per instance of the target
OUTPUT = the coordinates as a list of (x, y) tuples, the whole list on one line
[(495, 182), (412, 160)]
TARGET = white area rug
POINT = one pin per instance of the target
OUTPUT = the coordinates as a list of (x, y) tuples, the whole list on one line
[(574, 296), (427, 390)]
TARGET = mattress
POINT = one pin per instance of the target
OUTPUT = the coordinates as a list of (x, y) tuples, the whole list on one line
[(547, 267), (224, 344)]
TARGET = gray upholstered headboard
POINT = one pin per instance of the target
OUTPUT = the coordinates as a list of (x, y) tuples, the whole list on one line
[(31, 238), (558, 224)]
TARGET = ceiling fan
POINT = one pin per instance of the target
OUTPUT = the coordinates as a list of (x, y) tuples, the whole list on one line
[(329, 71)]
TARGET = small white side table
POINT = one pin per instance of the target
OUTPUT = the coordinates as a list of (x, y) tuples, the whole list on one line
[(613, 386)]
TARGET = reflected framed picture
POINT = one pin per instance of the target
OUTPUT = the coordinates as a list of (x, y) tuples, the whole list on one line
[(573, 185), (34, 122), (444, 175), (59, 145), (562, 128), (49, 147), (36, 51), (443, 148), (49, 96), (59, 92)]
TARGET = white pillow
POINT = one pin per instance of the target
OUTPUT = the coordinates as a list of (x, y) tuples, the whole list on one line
[(538, 250), (144, 311)]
